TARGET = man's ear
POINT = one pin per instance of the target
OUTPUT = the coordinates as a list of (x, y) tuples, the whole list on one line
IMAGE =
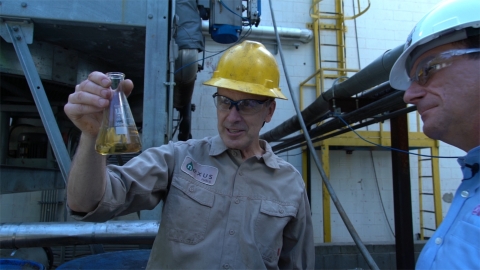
[(271, 110)]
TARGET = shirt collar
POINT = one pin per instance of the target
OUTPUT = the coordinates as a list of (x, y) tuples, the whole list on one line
[(217, 147), (269, 157), (472, 157)]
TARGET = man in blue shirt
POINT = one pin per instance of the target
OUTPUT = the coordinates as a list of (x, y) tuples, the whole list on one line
[(439, 71)]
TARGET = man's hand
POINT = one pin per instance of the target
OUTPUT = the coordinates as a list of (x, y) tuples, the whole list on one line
[(85, 106)]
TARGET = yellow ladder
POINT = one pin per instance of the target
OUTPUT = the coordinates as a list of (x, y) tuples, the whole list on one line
[(429, 192), (331, 21)]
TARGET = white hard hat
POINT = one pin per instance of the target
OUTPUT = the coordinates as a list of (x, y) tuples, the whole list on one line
[(446, 23)]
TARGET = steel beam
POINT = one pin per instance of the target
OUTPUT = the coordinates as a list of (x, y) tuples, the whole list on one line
[(402, 198), (120, 12), (19, 39), (155, 116)]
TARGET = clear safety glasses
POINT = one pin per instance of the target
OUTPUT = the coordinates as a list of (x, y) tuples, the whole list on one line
[(428, 66), (244, 106)]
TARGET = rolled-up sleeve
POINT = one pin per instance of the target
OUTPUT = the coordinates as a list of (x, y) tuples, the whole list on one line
[(140, 184)]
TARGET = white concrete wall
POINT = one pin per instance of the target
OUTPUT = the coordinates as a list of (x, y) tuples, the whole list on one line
[(363, 184), (20, 207), (358, 185)]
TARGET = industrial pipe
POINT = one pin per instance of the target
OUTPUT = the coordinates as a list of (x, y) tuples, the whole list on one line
[(374, 74), (374, 110), (45, 234), (289, 35)]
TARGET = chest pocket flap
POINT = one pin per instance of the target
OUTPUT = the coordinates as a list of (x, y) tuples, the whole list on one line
[(196, 193), (278, 210)]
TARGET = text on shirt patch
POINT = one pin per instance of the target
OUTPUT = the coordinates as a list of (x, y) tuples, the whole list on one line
[(202, 173), (476, 210)]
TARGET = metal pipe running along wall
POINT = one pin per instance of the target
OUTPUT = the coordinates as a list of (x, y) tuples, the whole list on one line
[(288, 35), (374, 74), (45, 234)]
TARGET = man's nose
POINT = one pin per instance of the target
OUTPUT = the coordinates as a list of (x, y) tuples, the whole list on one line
[(234, 113), (413, 93)]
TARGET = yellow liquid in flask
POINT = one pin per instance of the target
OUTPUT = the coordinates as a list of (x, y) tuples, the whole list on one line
[(109, 142), (118, 133)]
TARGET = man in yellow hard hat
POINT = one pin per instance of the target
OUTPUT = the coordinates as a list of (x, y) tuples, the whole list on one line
[(230, 202), (439, 71)]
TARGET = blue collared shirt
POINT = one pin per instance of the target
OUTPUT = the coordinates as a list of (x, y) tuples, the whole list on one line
[(456, 243)]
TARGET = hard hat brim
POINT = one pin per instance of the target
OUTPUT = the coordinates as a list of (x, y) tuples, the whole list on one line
[(438, 27), (246, 87)]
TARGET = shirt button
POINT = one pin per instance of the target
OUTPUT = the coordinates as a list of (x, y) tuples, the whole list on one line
[(226, 266), (237, 200), (233, 154), (191, 189), (438, 241), (464, 194), (232, 232), (240, 173), (281, 211)]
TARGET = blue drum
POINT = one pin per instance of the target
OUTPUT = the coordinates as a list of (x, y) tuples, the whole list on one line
[(130, 259), (13, 264)]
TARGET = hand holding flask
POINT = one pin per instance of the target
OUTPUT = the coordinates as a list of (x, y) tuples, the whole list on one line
[(118, 133)]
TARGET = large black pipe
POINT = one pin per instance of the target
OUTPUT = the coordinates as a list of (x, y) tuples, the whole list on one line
[(369, 111), (374, 74)]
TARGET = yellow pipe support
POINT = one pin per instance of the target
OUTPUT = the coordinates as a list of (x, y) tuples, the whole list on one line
[(360, 13), (437, 194), (322, 82), (327, 226), (416, 139), (304, 168), (341, 69), (314, 5), (301, 97), (318, 90), (340, 22), (311, 76), (316, 16), (420, 197)]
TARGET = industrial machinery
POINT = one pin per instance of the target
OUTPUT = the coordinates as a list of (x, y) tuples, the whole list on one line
[(46, 50), (226, 21)]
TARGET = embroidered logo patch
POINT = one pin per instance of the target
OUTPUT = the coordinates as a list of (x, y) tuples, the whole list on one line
[(476, 210), (202, 173)]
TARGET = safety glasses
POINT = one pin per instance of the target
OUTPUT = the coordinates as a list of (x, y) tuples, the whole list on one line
[(428, 66), (244, 106)]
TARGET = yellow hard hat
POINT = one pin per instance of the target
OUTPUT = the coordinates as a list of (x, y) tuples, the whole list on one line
[(250, 68)]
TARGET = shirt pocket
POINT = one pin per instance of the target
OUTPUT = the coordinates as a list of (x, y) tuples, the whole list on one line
[(187, 211), (468, 234), (462, 244), (269, 226)]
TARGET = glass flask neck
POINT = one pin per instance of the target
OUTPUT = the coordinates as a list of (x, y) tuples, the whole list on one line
[(116, 78)]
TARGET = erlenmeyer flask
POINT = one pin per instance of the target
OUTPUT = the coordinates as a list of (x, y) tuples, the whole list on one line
[(118, 133)]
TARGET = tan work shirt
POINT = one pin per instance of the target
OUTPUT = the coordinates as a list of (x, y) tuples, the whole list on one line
[(220, 212)]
